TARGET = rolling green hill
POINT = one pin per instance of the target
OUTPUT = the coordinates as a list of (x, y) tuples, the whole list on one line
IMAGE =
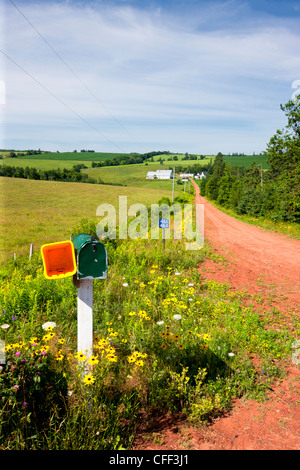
[(40, 212)]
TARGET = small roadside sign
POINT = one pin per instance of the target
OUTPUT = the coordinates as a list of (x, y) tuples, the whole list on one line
[(163, 223)]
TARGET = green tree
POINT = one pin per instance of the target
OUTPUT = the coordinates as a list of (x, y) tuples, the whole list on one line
[(283, 152), (213, 182), (225, 185)]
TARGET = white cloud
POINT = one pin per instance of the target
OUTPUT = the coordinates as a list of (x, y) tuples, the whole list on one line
[(167, 79)]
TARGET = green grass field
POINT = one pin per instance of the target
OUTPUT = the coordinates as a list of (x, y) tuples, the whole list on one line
[(45, 211), (247, 160)]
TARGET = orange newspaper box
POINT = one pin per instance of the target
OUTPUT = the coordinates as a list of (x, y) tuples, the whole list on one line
[(59, 260)]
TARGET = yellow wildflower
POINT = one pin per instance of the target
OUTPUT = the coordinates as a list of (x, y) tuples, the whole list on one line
[(93, 360), (206, 337), (89, 379), (112, 358), (80, 356)]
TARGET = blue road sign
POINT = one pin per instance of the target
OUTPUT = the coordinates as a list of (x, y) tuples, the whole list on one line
[(163, 223)]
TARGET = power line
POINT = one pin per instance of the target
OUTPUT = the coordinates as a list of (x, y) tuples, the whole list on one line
[(73, 72), (60, 100)]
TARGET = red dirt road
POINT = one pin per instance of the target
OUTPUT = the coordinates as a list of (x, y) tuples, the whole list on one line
[(264, 264), (257, 260)]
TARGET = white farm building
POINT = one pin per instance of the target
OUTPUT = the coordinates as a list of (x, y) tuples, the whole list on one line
[(199, 176), (160, 175)]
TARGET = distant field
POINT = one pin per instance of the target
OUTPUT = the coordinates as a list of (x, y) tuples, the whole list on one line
[(42, 163), (131, 175), (247, 160), (239, 160), (167, 158), (76, 156), (45, 211)]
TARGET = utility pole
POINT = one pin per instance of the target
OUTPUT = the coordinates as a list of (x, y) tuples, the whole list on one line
[(173, 184)]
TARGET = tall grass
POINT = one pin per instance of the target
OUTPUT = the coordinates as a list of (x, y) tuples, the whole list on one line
[(45, 211)]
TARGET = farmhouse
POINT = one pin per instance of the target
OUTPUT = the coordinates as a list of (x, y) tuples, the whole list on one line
[(160, 175), (199, 176)]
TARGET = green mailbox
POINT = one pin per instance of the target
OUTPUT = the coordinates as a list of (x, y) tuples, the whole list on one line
[(91, 257)]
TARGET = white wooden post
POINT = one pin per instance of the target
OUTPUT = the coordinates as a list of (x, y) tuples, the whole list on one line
[(85, 317), (173, 185), (31, 251)]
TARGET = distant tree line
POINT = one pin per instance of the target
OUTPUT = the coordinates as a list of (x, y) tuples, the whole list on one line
[(273, 193), (187, 156), (14, 154), (73, 175), (195, 168), (131, 159)]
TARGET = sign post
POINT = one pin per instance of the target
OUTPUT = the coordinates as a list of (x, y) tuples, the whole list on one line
[(163, 223)]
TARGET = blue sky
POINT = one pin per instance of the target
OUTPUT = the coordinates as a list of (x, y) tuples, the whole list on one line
[(135, 76)]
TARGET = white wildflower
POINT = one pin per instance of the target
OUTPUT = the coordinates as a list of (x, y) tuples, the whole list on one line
[(177, 317), (49, 324)]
